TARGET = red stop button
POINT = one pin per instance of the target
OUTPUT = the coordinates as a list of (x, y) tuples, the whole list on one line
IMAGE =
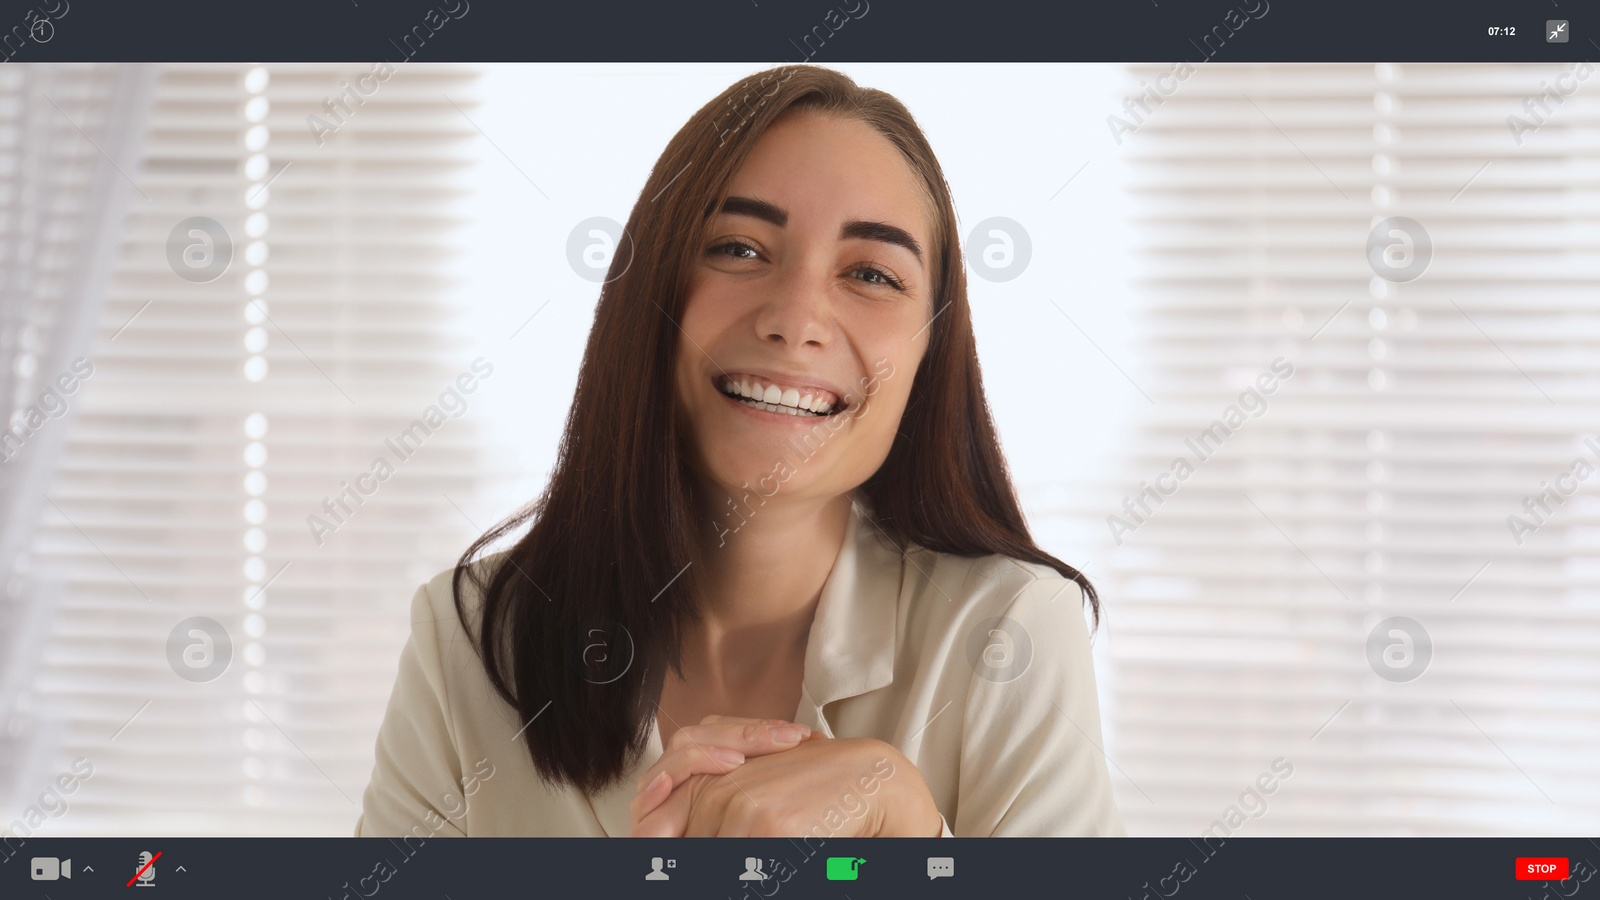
[(1541, 868)]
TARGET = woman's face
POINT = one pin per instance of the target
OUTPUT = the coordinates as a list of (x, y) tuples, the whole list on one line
[(807, 314)]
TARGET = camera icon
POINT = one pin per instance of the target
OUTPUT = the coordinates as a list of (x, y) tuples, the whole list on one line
[(50, 868)]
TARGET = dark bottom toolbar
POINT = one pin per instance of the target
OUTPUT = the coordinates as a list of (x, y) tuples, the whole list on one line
[(1112, 868)]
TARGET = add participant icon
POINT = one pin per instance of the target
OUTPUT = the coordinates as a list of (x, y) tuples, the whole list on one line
[(656, 873)]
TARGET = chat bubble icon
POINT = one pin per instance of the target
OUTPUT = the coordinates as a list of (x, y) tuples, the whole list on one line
[(941, 867)]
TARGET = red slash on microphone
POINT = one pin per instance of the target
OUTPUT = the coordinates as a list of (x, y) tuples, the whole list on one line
[(142, 869)]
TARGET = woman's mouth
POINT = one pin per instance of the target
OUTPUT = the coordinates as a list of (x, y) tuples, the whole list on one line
[(774, 397)]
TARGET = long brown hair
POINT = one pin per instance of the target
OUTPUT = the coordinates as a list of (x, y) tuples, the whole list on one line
[(585, 613)]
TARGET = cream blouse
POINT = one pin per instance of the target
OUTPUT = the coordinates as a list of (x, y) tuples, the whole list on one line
[(978, 670)]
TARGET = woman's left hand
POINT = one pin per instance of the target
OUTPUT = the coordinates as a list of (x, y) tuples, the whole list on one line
[(850, 787)]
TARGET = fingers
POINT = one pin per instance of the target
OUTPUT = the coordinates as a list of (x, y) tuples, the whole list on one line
[(752, 737), (668, 811), (716, 746), (738, 720), (646, 801), (681, 764), (693, 749)]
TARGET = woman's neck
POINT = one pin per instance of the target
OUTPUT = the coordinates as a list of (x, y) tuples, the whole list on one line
[(762, 584)]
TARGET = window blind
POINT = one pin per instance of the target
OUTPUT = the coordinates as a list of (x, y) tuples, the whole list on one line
[(1377, 480), (224, 412), (68, 137)]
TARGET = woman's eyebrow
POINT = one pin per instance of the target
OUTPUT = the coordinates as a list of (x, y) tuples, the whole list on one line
[(760, 209), (882, 231), (871, 231)]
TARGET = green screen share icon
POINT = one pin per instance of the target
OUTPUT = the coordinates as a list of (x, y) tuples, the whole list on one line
[(844, 868)]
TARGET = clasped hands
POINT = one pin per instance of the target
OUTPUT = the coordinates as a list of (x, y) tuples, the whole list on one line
[(736, 777)]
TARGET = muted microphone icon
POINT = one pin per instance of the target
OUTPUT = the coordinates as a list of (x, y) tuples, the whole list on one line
[(147, 870)]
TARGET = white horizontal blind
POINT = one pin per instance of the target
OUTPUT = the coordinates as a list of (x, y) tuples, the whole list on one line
[(222, 414), (66, 134), (1379, 479)]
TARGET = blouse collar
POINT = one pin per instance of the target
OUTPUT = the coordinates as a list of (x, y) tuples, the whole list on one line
[(851, 648)]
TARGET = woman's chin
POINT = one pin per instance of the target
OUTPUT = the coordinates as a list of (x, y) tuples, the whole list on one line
[(766, 475)]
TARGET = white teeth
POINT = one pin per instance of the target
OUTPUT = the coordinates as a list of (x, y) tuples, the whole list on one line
[(775, 399)]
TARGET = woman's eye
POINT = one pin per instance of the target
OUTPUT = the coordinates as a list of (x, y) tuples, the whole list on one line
[(873, 275), (736, 250)]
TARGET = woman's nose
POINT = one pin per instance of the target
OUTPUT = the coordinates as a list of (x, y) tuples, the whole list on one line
[(797, 312)]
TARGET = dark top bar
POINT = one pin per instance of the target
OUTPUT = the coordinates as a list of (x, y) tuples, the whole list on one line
[(772, 31)]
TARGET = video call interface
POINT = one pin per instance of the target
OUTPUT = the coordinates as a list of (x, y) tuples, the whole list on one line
[(1163, 437)]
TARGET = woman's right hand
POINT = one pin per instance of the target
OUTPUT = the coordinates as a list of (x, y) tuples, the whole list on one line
[(716, 746)]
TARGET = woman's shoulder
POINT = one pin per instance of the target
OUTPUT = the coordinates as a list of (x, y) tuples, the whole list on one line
[(957, 600), (985, 584), (434, 607)]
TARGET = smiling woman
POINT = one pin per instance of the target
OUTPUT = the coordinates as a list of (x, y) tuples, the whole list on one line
[(779, 548)]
